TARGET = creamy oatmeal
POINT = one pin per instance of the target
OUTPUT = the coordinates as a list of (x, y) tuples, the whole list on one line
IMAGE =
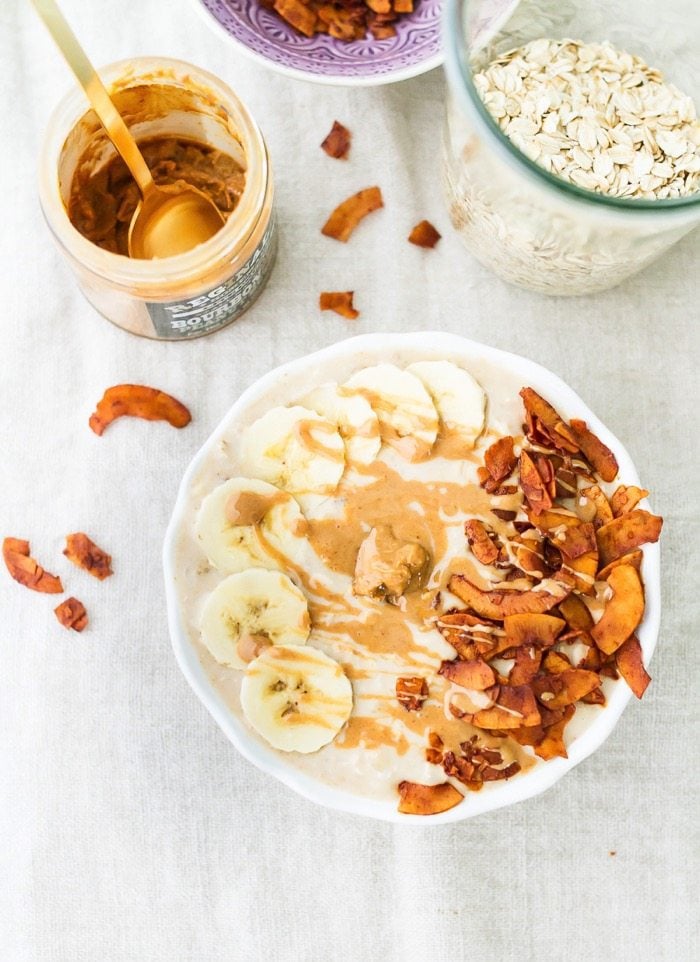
[(331, 541)]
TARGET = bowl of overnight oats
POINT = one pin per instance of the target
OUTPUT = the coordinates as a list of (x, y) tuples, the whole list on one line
[(413, 577)]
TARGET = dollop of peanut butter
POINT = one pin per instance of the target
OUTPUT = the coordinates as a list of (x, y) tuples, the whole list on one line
[(387, 567)]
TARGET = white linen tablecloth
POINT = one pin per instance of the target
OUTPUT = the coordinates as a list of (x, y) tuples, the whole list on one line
[(130, 829)]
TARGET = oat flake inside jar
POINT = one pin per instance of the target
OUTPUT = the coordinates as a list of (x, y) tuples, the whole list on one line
[(569, 164), (204, 289)]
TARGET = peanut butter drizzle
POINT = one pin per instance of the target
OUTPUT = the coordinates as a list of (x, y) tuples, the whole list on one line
[(391, 499), (408, 444), (249, 507), (323, 598), (305, 432), (450, 444), (365, 732)]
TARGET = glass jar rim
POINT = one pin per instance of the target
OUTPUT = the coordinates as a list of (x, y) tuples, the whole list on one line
[(460, 78), (119, 268)]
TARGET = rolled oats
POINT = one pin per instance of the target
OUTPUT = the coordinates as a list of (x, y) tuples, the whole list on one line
[(595, 116)]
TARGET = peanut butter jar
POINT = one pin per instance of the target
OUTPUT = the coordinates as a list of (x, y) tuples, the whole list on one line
[(202, 290)]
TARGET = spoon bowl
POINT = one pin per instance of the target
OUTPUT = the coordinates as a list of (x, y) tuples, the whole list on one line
[(171, 220)]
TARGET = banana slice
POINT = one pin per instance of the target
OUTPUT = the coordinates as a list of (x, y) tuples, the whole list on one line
[(252, 610), (298, 699), (296, 449), (407, 417), (459, 399), (356, 421), (247, 523)]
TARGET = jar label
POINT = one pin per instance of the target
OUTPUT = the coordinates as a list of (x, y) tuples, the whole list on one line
[(178, 320)]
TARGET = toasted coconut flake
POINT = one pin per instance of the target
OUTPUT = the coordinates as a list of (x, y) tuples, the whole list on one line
[(553, 523), (599, 455), (554, 662), (499, 603), (25, 570), (300, 16), (528, 559), (595, 697), (526, 665), (634, 558), (424, 235), (337, 143), (577, 540), (545, 423), (602, 512), (136, 400), (411, 692), (72, 614), (520, 699), (85, 554), (552, 745), (340, 302), (623, 611), (500, 459), (416, 799), (475, 674), (626, 498), (482, 543), (624, 534), (497, 718), (348, 215), (629, 661), (583, 569), (565, 687), (576, 613), (532, 629), (533, 485)]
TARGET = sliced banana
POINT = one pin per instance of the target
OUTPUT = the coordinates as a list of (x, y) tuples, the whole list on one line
[(407, 417), (356, 421), (247, 523), (251, 610), (458, 397), (296, 449), (297, 698)]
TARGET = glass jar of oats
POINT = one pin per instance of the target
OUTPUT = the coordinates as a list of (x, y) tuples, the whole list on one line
[(190, 126), (571, 152)]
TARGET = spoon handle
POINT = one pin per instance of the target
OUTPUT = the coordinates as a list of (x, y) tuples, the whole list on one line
[(101, 102)]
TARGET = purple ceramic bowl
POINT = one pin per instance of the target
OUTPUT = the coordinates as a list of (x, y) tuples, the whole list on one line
[(265, 36)]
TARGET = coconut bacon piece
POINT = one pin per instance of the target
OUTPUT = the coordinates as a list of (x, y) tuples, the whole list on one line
[(628, 659), (416, 799), (424, 235), (84, 553), (623, 611), (624, 534), (25, 570), (72, 614), (499, 602), (337, 143), (346, 216), (340, 302), (137, 400)]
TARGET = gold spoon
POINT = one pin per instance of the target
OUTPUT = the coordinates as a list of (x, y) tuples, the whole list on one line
[(169, 220)]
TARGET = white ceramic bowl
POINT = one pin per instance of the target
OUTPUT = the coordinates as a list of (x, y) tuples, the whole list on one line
[(497, 794)]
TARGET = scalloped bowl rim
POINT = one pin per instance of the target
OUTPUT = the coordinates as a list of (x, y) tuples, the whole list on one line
[(524, 786), (329, 80)]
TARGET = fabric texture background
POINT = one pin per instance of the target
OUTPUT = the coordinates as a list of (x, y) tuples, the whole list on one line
[(130, 829)]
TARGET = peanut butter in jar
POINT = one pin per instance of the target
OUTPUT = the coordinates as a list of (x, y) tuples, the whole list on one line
[(190, 127)]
